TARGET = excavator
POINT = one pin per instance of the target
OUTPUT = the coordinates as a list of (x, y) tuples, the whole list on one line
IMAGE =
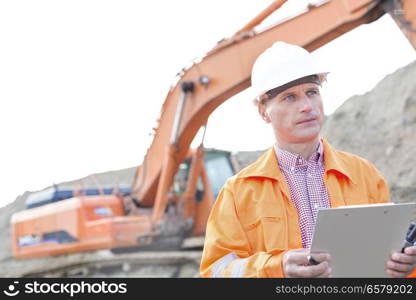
[(172, 191)]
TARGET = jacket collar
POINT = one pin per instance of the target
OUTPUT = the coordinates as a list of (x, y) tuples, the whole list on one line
[(267, 166), (333, 161)]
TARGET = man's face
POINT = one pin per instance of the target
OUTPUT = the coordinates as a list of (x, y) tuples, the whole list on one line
[(296, 114)]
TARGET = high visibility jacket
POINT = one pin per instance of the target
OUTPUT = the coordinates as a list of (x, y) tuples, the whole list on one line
[(253, 221)]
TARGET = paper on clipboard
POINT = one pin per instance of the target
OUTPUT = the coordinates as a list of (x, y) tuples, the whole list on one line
[(360, 238)]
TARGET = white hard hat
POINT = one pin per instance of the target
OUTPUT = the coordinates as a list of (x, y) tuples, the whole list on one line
[(281, 64)]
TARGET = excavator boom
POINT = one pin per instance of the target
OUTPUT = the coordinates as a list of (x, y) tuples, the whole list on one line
[(225, 70)]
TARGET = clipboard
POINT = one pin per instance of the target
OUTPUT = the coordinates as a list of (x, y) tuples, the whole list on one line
[(360, 238)]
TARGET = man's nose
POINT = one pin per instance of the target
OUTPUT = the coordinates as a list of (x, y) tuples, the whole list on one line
[(305, 104)]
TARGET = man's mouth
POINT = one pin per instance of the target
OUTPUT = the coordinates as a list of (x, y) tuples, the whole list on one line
[(305, 121)]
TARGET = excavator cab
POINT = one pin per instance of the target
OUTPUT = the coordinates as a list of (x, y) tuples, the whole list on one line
[(219, 168), (196, 185)]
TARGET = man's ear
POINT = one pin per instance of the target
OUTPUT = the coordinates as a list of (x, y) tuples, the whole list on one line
[(261, 106)]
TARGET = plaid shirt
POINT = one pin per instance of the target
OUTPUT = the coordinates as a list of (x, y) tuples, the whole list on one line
[(306, 185)]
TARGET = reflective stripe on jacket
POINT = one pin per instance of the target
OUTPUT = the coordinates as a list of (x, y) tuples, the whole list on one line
[(253, 221)]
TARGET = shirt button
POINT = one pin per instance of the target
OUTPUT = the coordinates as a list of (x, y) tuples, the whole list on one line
[(310, 175), (292, 169)]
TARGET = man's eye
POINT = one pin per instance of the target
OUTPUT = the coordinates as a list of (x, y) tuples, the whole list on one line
[(289, 98), (311, 93)]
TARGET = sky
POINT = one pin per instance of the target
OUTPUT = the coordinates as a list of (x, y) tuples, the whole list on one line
[(82, 82)]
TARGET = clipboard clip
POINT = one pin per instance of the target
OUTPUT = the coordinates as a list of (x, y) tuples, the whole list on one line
[(410, 238)]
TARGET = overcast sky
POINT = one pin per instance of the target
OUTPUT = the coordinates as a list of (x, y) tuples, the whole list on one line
[(82, 82)]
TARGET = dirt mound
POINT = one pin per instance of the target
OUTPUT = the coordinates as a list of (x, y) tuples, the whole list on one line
[(381, 127)]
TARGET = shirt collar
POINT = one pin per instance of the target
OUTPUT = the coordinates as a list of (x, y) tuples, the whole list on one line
[(289, 160), (267, 165)]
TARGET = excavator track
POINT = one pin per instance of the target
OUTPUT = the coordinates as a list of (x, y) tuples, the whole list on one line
[(182, 263)]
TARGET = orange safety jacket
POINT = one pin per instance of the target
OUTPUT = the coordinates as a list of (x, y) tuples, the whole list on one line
[(253, 221)]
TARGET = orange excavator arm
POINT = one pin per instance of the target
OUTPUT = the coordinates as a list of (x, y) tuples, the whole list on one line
[(225, 71)]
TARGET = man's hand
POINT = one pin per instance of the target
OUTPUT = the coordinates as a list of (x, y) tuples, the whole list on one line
[(296, 264), (401, 264)]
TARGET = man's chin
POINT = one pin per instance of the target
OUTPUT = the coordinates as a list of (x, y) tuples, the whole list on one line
[(307, 138)]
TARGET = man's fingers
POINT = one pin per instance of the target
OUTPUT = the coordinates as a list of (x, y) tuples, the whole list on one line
[(401, 264), (395, 274), (327, 273), (296, 264), (399, 267), (321, 257), (302, 258), (410, 250), (297, 257), (403, 258), (310, 271)]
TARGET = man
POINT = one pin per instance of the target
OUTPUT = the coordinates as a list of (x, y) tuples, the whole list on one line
[(262, 222)]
